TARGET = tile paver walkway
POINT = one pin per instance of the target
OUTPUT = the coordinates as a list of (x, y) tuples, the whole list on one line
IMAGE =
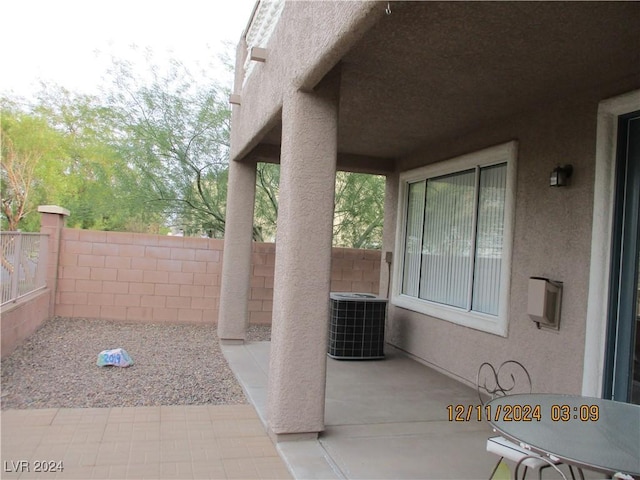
[(182, 442)]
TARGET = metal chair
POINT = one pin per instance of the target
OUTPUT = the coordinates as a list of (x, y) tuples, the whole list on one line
[(550, 464), (511, 377), (616, 476)]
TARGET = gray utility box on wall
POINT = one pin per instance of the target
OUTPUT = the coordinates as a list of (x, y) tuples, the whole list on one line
[(356, 326)]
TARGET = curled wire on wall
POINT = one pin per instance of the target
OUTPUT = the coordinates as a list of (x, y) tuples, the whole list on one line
[(388, 9)]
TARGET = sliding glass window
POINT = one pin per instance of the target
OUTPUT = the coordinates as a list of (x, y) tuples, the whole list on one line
[(455, 226)]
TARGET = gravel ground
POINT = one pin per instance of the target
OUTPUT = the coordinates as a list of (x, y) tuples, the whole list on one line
[(173, 365)]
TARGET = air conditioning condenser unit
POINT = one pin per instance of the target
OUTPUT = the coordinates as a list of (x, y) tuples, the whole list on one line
[(356, 326)]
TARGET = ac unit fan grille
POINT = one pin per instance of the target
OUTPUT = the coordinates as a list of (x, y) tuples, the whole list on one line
[(356, 328)]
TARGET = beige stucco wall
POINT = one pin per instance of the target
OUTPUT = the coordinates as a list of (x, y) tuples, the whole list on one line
[(552, 239)]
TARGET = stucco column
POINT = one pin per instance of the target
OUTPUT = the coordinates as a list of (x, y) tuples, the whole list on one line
[(297, 372), (236, 262), (52, 220)]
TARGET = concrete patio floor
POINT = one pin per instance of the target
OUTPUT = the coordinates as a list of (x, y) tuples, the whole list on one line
[(384, 420)]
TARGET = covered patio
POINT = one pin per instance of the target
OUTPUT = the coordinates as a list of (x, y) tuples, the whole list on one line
[(385, 419), (420, 91)]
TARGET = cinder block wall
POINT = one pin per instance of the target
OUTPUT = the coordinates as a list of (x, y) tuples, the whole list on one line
[(138, 277), (154, 278), (352, 270), (19, 321)]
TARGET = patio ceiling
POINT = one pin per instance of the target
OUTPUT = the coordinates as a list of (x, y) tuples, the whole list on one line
[(434, 70)]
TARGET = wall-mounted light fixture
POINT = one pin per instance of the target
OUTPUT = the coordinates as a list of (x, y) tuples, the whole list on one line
[(560, 176)]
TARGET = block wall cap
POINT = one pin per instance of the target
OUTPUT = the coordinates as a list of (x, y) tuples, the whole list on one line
[(54, 209)]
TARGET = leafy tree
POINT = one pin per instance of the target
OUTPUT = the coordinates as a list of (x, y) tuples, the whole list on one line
[(266, 205), (68, 140), (91, 179), (359, 210), (358, 213), (155, 150), (28, 145), (174, 134)]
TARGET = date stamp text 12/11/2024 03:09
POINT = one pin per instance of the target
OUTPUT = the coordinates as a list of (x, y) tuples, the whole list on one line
[(522, 413)]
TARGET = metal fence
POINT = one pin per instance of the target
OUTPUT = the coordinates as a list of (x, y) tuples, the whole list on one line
[(24, 264)]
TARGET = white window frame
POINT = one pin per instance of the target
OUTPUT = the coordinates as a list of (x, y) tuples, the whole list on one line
[(601, 238), (504, 153)]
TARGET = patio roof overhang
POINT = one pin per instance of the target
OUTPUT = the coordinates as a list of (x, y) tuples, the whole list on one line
[(432, 71)]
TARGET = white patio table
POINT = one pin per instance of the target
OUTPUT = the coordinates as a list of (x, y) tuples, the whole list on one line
[(589, 433)]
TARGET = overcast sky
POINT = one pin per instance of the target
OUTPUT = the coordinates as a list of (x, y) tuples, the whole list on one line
[(70, 42)]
